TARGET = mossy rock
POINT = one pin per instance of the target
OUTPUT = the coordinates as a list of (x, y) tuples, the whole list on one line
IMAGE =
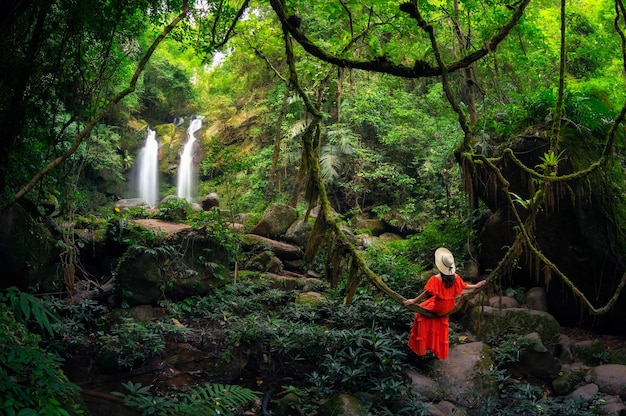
[(496, 323), (288, 405), (310, 298), (567, 382), (343, 405), (187, 263), (589, 352)]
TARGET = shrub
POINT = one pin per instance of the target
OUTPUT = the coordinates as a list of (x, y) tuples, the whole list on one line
[(174, 209), (30, 377)]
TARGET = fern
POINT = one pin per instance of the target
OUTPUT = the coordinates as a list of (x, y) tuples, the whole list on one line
[(206, 400), (215, 399)]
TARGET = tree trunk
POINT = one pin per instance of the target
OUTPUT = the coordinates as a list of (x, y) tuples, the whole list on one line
[(271, 184)]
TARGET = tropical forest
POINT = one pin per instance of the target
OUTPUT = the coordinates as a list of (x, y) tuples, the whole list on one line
[(232, 207)]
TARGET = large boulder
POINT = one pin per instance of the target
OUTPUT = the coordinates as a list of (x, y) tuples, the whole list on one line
[(374, 226), (610, 379), (536, 361), (189, 262), (459, 375), (298, 233), (282, 250), (496, 323), (123, 204), (276, 221), (537, 299), (211, 200), (426, 386), (577, 230)]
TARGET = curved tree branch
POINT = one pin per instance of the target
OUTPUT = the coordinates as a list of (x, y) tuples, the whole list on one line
[(420, 69)]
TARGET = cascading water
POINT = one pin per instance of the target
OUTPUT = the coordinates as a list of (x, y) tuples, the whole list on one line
[(148, 170), (186, 173)]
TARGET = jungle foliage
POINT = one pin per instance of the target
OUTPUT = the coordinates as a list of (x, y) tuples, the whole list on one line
[(403, 112)]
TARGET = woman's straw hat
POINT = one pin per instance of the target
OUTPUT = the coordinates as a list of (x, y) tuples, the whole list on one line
[(444, 260)]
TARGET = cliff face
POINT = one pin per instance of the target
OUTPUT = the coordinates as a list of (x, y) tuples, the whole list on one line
[(576, 228)]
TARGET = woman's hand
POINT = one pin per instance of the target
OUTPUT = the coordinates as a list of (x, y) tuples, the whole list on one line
[(409, 302)]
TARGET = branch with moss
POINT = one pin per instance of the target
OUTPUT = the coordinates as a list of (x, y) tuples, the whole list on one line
[(523, 236), (316, 191), (420, 69)]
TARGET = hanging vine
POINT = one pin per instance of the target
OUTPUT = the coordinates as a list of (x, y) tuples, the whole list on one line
[(546, 187)]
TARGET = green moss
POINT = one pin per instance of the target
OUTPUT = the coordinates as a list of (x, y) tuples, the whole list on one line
[(165, 130), (343, 405), (492, 323), (566, 383)]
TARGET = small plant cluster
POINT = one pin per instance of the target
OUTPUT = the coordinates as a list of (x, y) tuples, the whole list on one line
[(207, 399)]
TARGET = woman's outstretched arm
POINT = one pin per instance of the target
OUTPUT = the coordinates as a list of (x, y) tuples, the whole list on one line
[(421, 296), (476, 285)]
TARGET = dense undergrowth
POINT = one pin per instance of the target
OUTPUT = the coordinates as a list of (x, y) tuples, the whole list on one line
[(309, 351)]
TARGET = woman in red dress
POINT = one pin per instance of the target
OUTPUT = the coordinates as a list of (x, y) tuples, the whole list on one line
[(441, 291)]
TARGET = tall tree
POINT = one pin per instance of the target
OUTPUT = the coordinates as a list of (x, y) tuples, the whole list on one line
[(412, 41)]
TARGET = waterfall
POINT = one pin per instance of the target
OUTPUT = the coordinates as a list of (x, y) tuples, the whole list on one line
[(186, 172), (148, 170)]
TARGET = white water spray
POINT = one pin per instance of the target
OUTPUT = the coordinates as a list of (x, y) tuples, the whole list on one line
[(148, 170), (186, 173)]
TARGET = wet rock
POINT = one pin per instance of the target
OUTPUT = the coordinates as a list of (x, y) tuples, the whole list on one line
[(426, 386), (537, 361), (282, 250), (375, 226), (503, 302), (209, 201), (572, 375), (449, 409), (387, 237), (124, 204), (587, 351), (584, 393), (265, 262), (537, 299), (276, 221), (613, 405), (342, 405), (496, 323), (458, 375), (310, 298), (611, 379), (292, 281), (191, 268), (432, 410), (287, 405), (298, 233), (142, 313), (365, 241), (564, 349)]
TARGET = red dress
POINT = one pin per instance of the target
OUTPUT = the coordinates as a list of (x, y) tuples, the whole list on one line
[(432, 333)]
